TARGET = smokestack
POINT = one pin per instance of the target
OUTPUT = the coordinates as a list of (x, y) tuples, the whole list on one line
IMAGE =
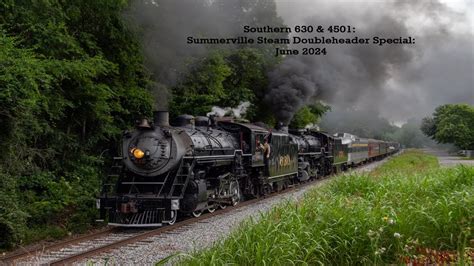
[(282, 127), (161, 118)]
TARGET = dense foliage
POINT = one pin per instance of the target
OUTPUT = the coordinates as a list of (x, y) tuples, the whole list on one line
[(309, 115), (192, 78), (451, 123), (73, 76), (71, 79), (223, 78), (407, 211), (227, 78)]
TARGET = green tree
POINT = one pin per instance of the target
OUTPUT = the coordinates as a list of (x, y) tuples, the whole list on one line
[(71, 79), (428, 126), (308, 115), (452, 123), (224, 78), (203, 87)]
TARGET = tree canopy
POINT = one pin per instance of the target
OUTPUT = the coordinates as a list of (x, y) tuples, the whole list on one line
[(73, 76), (71, 79), (451, 123), (309, 115)]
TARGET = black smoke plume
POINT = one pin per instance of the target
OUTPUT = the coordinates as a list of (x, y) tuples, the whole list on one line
[(390, 80), (164, 25), (291, 85)]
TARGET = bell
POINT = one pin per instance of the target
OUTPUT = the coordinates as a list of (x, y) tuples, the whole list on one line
[(144, 123)]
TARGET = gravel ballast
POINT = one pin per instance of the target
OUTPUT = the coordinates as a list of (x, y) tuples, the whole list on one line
[(198, 235)]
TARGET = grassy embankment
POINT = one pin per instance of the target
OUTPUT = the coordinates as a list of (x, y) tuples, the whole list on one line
[(408, 209)]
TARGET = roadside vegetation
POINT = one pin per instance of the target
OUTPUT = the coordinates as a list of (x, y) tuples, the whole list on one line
[(451, 123), (407, 210), (73, 78)]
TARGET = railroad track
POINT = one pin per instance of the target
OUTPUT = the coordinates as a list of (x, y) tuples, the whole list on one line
[(80, 248), (12, 257), (85, 247)]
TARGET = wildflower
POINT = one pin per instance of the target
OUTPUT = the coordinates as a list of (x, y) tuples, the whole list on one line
[(370, 233), (385, 218), (397, 235), (407, 248), (391, 221), (381, 229), (380, 251)]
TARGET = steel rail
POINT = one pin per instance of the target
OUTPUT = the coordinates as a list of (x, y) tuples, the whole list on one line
[(12, 257), (103, 249)]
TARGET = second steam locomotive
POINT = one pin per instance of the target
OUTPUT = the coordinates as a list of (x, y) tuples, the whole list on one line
[(200, 164)]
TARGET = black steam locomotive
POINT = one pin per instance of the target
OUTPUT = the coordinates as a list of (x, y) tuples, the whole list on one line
[(200, 164)]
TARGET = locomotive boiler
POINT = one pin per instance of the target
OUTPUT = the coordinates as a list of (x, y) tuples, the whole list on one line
[(169, 168)]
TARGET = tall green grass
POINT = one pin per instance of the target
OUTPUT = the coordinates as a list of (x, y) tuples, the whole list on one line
[(410, 161), (405, 205)]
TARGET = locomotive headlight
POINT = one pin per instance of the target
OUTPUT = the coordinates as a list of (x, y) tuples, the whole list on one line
[(137, 153)]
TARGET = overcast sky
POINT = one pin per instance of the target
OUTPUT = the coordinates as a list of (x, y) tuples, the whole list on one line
[(412, 81)]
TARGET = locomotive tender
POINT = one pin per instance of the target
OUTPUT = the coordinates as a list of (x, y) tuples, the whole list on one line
[(200, 164)]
